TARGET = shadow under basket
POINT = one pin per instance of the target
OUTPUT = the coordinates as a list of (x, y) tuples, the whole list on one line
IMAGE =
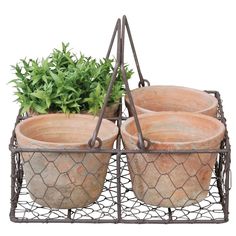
[(117, 202)]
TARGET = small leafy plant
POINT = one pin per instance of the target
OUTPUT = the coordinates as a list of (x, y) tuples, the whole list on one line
[(62, 82)]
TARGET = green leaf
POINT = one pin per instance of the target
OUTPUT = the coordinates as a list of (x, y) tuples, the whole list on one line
[(21, 85), (70, 88), (13, 81), (39, 94), (26, 108), (35, 79), (40, 109), (66, 83), (48, 102), (25, 63), (57, 79), (98, 90)]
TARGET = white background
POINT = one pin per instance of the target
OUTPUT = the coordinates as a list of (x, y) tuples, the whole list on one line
[(190, 43)]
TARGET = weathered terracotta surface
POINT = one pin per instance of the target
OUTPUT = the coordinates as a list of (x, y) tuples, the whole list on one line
[(172, 98), (111, 111), (64, 180), (173, 180)]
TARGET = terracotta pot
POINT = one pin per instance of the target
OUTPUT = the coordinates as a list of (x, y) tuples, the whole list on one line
[(172, 180), (172, 98), (111, 111), (64, 180)]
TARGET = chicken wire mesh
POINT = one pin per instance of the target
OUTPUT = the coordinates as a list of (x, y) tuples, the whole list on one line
[(130, 187), (28, 208), (211, 208)]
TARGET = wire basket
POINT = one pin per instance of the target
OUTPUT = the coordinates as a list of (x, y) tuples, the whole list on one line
[(117, 202)]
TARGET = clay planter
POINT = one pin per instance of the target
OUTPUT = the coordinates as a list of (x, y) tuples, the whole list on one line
[(64, 180), (172, 180), (111, 111), (172, 98)]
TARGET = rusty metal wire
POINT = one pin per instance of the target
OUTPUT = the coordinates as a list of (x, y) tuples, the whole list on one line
[(210, 210), (118, 202)]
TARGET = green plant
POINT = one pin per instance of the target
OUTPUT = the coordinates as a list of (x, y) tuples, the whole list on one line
[(62, 82)]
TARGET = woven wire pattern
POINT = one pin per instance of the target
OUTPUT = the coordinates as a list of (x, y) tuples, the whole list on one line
[(118, 203), (210, 209), (105, 207)]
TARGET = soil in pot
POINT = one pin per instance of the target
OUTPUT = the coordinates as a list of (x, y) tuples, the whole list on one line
[(172, 180), (64, 180), (172, 98)]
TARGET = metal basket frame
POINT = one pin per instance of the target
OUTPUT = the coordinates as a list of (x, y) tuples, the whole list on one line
[(118, 203)]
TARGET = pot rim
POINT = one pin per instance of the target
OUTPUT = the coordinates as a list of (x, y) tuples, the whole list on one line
[(111, 135), (218, 134), (211, 98)]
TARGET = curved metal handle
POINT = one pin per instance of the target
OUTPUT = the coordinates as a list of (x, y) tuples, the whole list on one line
[(120, 32), (117, 31), (141, 143), (95, 133), (125, 24)]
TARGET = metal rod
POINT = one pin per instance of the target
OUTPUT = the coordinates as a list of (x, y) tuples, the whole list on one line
[(223, 120), (13, 194), (170, 214), (95, 133), (218, 171), (122, 221), (69, 214), (118, 156), (14, 219), (125, 21), (227, 188), (114, 76), (113, 39), (18, 118), (114, 151), (225, 201), (137, 221), (141, 143)]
